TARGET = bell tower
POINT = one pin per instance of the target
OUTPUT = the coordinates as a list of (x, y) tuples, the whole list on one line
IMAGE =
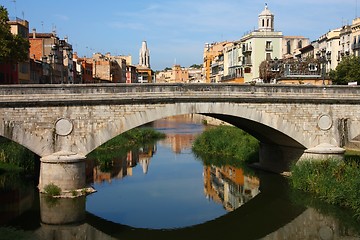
[(144, 55), (266, 20)]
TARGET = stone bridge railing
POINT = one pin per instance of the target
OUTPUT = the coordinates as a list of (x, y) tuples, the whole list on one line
[(40, 95)]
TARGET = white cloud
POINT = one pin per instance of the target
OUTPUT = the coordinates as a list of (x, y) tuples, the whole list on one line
[(62, 17)]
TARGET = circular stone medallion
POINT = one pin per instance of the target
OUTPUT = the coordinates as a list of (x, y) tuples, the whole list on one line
[(325, 122), (63, 127)]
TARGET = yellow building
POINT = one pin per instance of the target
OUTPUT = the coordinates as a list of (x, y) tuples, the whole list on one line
[(176, 75), (145, 74)]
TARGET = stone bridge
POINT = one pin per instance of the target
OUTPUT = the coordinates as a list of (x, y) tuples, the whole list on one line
[(63, 123)]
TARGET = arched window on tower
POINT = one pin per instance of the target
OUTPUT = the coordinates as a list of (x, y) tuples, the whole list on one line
[(267, 23), (300, 44), (263, 23), (288, 47)]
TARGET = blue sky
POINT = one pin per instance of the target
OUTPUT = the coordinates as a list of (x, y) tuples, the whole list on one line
[(175, 30)]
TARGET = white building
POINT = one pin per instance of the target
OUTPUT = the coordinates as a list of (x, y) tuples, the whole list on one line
[(262, 44), (355, 32)]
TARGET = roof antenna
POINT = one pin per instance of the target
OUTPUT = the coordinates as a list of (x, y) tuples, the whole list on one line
[(14, 1)]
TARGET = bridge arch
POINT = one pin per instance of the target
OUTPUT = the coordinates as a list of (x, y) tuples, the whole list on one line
[(267, 127), (274, 131)]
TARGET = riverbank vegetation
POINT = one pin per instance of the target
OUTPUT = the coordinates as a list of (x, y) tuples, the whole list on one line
[(14, 157), (226, 145), (333, 181)]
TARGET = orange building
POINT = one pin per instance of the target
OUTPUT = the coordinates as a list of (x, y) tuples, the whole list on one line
[(211, 51), (52, 51), (84, 70)]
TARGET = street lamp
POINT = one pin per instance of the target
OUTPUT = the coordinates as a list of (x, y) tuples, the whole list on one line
[(61, 47), (51, 56)]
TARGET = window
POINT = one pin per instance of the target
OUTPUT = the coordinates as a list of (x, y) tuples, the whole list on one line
[(288, 47), (268, 46), (300, 44), (268, 56)]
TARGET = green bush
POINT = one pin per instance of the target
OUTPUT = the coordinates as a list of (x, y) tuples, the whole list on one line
[(52, 190), (226, 142), (336, 182)]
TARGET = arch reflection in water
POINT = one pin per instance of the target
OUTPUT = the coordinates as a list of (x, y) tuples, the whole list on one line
[(288, 223)]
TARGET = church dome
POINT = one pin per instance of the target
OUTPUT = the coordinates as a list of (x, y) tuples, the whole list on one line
[(266, 20), (266, 12)]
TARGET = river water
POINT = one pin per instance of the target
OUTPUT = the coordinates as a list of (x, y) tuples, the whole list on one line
[(161, 191)]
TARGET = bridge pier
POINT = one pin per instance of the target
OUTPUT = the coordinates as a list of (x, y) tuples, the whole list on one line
[(63, 169), (324, 151), (277, 158)]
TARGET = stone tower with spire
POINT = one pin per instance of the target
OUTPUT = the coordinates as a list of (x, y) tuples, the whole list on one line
[(144, 56), (266, 20)]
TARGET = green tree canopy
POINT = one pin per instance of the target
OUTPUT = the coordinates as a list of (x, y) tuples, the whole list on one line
[(347, 71), (197, 66), (13, 48)]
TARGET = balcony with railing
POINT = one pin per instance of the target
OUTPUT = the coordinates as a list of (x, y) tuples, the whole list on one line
[(247, 62), (247, 49), (231, 77), (269, 48)]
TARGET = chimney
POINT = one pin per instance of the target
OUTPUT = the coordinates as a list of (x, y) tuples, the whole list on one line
[(34, 32)]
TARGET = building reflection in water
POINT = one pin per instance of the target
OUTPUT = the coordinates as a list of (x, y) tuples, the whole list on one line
[(181, 131), (226, 185), (121, 166), (229, 186)]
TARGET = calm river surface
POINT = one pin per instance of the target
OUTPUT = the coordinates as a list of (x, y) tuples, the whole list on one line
[(162, 191)]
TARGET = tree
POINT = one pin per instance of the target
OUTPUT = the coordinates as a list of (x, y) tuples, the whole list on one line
[(13, 48), (347, 71), (196, 66)]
